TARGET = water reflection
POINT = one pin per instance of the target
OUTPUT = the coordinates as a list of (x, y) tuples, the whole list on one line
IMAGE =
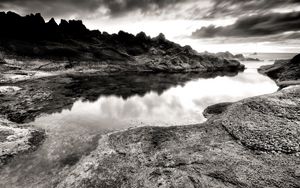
[(182, 104), (125, 101)]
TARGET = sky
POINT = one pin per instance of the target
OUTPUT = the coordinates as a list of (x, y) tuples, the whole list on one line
[(238, 26)]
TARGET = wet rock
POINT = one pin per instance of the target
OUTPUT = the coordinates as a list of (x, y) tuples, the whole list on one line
[(17, 139)]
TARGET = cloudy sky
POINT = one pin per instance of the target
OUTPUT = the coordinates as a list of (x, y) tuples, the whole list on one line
[(206, 25)]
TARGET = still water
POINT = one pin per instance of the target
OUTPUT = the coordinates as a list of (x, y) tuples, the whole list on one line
[(179, 105), (74, 132)]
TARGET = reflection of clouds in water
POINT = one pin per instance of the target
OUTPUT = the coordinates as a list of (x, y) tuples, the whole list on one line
[(250, 75), (178, 105)]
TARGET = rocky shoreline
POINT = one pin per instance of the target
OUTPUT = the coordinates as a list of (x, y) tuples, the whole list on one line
[(250, 143)]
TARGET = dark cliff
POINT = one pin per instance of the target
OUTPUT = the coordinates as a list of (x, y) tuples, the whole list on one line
[(31, 36)]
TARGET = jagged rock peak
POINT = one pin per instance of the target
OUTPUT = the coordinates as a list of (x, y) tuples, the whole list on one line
[(52, 22), (63, 22), (161, 36), (296, 59)]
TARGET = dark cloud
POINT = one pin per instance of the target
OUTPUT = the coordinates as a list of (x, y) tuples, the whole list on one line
[(187, 9), (242, 7), (64, 7), (117, 7), (253, 26), (50, 7)]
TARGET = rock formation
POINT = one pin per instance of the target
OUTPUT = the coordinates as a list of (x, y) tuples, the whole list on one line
[(70, 43), (240, 57), (284, 72)]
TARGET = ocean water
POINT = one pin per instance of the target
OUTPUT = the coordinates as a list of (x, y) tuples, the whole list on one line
[(271, 56)]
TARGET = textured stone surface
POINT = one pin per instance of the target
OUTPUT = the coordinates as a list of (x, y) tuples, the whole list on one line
[(250, 144), (269, 122), (216, 109), (17, 139)]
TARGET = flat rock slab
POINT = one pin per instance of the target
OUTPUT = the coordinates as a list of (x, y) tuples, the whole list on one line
[(269, 122), (205, 155), (8, 90), (17, 139)]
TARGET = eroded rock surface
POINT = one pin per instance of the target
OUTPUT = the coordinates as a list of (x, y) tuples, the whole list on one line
[(17, 139), (253, 143), (268, 123)]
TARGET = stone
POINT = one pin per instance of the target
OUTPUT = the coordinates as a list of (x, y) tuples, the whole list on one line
[(17, 139)]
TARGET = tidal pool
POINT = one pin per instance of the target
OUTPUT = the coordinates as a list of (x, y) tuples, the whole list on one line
[(179, 105), (121, 102)]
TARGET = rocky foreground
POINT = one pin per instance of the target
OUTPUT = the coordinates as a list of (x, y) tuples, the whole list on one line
[(252, 143)]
